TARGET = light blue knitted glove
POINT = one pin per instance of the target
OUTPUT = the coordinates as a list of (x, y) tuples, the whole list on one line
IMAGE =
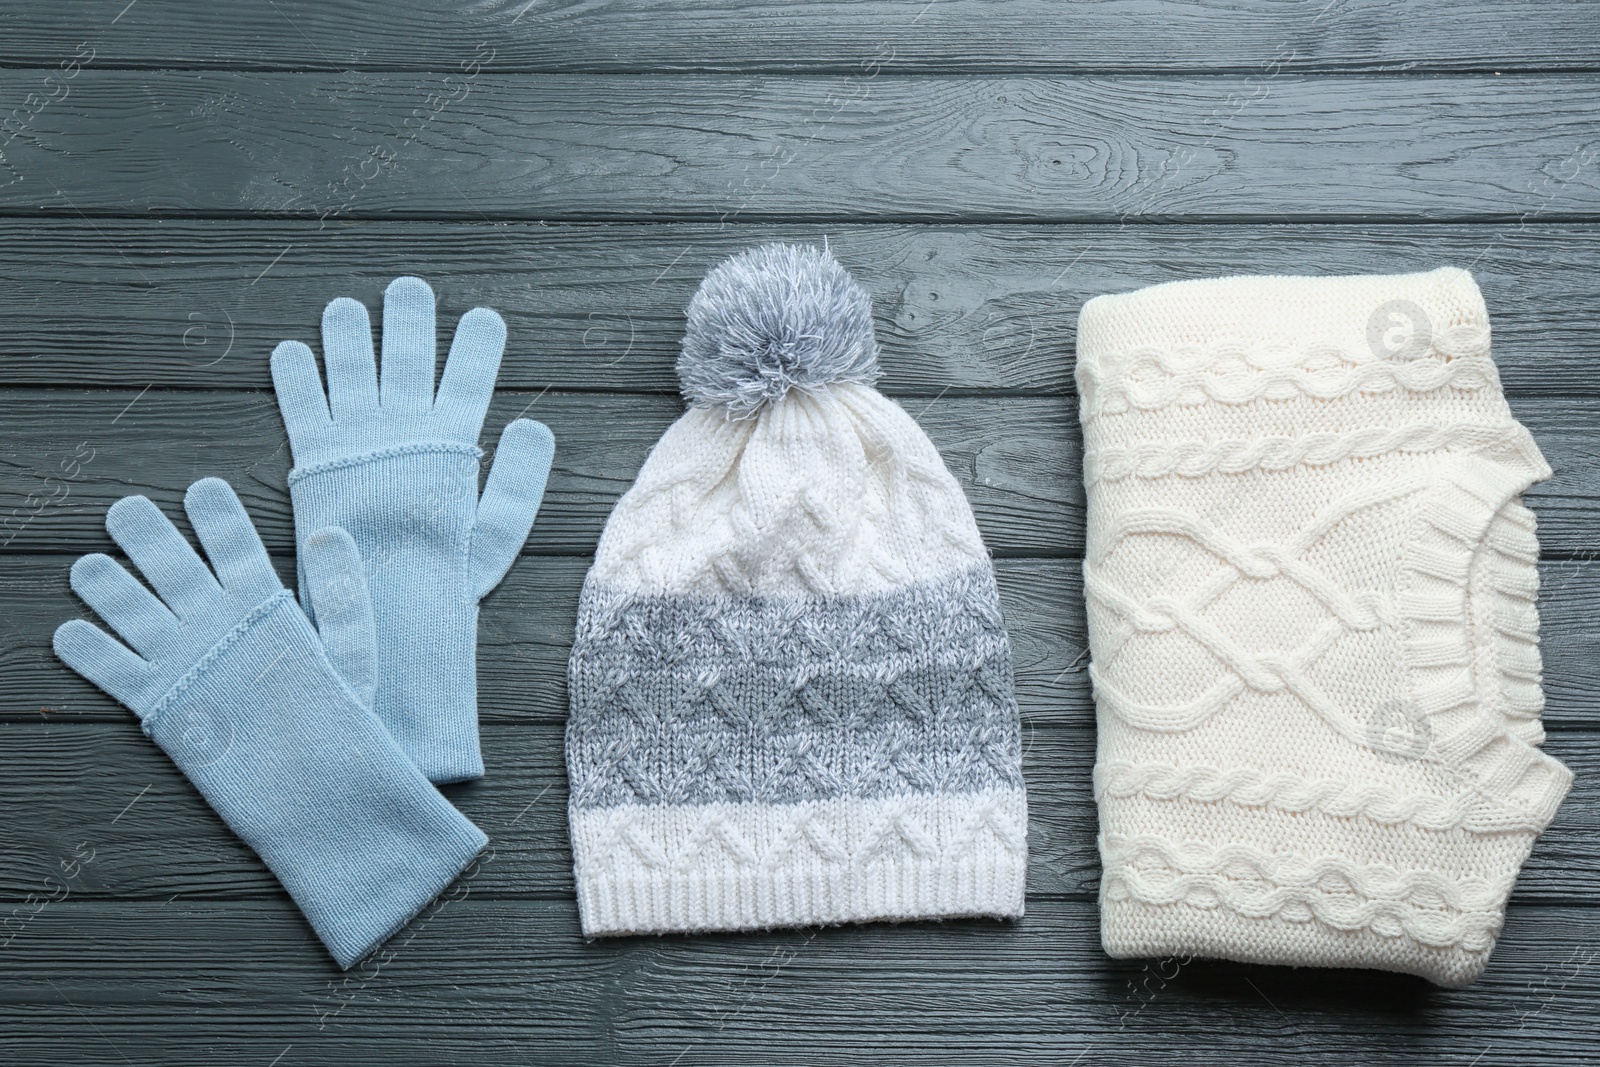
[(398, 468), (270, 719)]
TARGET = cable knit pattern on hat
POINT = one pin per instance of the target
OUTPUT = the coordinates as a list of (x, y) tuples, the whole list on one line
[(1313, 638), (791, 687)]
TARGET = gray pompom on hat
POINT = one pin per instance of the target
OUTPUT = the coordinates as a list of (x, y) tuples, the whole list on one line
[(775, 318)]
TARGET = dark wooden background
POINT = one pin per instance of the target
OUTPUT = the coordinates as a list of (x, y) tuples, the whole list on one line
[(183, 185)]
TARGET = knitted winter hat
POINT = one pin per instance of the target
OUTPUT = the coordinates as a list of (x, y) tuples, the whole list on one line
[(791, 689), (1315, 653)]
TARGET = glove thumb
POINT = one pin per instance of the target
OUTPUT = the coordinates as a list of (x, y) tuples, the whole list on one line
[(336, 583), (510, 500)]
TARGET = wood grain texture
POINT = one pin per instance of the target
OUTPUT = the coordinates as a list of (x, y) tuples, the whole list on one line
[(721, 147), (488, 982), (599, 307), (1017, 458), (183, 185), (841, 35)]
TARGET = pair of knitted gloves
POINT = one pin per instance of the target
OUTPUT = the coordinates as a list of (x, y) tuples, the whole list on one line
[(316, 727)]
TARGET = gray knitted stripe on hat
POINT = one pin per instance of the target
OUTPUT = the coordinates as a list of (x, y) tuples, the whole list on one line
[(693, 700)]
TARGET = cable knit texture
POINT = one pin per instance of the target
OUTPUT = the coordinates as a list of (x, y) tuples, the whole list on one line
[(1313, 637), (791, 687)]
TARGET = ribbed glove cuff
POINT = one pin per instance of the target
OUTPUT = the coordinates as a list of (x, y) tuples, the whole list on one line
[(416, 548), (360, 840)]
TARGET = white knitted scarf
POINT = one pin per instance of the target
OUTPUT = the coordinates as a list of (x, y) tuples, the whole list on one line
[(1310, 585)]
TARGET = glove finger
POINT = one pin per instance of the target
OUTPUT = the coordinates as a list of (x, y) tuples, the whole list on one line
[(468, 379), (103, 660), (510, 500), (130, 609), (352, 368), (336, 583), (162, 555), (231, 542), (408, 347), (299, 387)]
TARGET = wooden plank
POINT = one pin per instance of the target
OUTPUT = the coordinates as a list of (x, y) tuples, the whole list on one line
[(841, 35), (719, 147), (1017, 458), (490, 982), (107, 807), (959, 309)]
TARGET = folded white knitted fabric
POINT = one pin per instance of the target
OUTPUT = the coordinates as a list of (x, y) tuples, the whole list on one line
[(1311, 586)]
